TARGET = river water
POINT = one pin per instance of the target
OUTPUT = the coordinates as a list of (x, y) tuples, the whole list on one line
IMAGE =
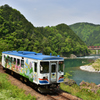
[(72, 67)]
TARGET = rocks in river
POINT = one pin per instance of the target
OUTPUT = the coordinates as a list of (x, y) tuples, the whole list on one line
[(87, 68), (98, 85), (69, 82), (73, 56), (70, 56)]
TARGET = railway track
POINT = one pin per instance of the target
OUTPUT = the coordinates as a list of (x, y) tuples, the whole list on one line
[(61, 95), (57, 95)]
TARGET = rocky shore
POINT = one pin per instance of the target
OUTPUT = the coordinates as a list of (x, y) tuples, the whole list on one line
[(83, 85), (88, 68)]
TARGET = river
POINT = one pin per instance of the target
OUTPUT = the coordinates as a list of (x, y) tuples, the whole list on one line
[(72, 67)]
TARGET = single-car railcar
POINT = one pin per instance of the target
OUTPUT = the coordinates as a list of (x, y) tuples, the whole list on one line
[(45, 71)]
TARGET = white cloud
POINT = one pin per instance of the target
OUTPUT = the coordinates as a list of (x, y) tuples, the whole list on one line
[(53, 12)]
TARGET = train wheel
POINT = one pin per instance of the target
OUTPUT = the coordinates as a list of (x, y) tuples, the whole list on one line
[(21, 78), (25, 80), (43, 90), (3, 68), (12, 73)]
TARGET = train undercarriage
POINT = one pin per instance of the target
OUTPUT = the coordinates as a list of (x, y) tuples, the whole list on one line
[(40, 88)]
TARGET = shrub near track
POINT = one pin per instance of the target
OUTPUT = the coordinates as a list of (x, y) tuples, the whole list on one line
[(11, 92), (83, 93)]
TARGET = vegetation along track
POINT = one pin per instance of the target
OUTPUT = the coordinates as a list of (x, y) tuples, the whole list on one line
[(29, 89)]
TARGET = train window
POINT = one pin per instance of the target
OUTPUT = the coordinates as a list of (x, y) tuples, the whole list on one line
[(35, 66), (8, 59), (61, 66), (44, 67), (18, 61), (53, 68), (11, 59), (14, 60), (22, 63)]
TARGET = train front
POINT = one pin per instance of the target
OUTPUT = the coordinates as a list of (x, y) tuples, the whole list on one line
[(51, 73)]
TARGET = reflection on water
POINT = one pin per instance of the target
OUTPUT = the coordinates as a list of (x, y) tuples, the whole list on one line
[(72, 67)]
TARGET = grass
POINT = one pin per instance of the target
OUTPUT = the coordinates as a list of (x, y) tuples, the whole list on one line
[(11, 92), (83, 93), (96, 65)]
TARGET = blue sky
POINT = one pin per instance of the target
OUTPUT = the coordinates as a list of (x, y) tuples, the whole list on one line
[(54, 12)]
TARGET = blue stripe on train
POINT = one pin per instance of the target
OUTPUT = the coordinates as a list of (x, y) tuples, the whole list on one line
[(61, 80), (44, 81)]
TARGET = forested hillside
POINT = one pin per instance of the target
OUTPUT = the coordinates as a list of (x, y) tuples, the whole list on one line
[(16, 33), (89, 33)]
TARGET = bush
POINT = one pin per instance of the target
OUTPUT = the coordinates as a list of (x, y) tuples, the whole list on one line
[(10, 92)]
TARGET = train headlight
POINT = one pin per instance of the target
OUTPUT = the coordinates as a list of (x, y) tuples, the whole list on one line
[(46, 77), (43, 77), (62, 75)]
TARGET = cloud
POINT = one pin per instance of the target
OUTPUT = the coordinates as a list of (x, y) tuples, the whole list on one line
[(53, 12)]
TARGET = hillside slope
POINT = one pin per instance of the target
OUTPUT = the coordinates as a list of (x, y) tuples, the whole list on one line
[(88, 32), (16, 33)]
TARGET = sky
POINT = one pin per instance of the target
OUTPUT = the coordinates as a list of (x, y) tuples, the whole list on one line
[(54, 12)]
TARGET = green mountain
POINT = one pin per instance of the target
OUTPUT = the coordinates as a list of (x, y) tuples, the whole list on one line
[(88, 32), (17, 33)]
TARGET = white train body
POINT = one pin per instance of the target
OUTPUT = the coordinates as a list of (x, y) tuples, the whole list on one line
[(38, 68)]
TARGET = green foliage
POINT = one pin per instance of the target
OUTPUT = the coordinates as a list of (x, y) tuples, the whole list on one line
[(19, 34), (67, 75), (83, 93), (11, 92), (89, 33), (96, 65)]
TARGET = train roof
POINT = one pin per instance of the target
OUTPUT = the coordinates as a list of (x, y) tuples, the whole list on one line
[(33, 55)]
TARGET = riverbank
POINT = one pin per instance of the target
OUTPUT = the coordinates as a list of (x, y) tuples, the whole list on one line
[(88, 68), (85, 90), (70, 57), (93, 67)]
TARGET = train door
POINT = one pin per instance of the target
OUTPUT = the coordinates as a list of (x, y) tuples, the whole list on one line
[(35, 71), (53, 72)]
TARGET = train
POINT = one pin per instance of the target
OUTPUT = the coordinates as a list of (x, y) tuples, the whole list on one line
[(46, 72)]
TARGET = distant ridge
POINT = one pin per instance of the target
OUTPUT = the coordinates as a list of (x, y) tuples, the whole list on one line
[(17, 33), (88, 32)]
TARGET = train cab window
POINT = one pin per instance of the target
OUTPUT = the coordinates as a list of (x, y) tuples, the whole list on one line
[(4, 58), (22, 63), (18, 61), (35, 66), (44, 67), (53, 68), (61, 66)]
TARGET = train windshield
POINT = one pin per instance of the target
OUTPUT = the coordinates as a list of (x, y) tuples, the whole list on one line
[(61, 66), (44, 67)]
